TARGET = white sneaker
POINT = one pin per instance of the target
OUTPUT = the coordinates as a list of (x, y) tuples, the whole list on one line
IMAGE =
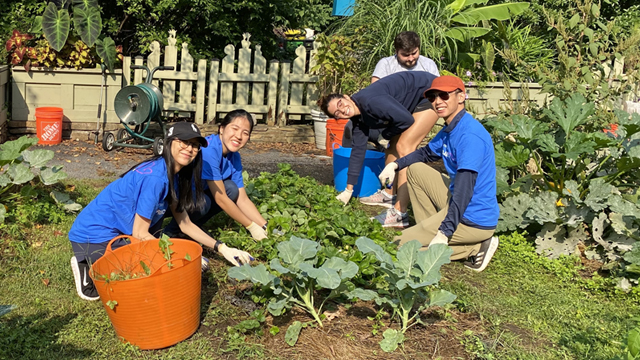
[(84, 284), (393, 218), (380, 198)]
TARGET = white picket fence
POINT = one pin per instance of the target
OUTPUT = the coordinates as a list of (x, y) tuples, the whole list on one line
[(278, 96)]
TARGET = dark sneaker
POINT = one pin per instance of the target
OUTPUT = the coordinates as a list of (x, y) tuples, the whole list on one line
[(380, 198), (84, 284), (393, 218), (479, 261), (205, 264)]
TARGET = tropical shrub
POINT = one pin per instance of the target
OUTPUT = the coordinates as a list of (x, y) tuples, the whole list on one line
[(446, 30), (565, 179)]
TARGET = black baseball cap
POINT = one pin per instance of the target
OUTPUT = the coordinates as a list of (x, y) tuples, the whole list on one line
[(187, 131)]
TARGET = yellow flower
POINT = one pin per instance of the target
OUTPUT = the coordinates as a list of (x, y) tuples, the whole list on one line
[(559, 203)]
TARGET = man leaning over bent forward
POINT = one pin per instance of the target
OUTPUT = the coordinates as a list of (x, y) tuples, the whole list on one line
[(460, 209)]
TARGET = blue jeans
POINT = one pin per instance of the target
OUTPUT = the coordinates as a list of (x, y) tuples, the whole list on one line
[(210, 209)]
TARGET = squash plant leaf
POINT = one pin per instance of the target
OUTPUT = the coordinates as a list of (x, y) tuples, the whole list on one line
[(570, 113), (527, 129), (20, 173), (543, 208), (512, 213), (52, 175), (514, 157), (37, 158), (599, 193)]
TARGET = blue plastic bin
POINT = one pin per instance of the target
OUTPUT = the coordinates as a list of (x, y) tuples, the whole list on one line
[(368, 182)]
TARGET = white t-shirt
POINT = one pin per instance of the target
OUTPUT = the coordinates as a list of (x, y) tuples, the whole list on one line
[(390, 65)]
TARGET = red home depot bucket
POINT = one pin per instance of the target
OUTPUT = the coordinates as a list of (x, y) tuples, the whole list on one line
[(335, 130), (49, 125)]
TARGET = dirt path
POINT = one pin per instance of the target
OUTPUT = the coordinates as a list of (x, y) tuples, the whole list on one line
[(86, 160)]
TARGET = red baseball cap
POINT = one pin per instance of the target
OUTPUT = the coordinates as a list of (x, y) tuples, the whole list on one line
[(446, 83)]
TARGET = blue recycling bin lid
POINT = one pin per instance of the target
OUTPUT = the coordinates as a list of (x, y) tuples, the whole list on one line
[(343, 7)]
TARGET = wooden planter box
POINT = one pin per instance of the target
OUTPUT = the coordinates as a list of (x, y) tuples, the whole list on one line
[(77, 92), (4, 84), (485, 100)]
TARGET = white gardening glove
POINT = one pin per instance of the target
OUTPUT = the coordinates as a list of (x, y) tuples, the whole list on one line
[(235, 256), (440, 238), (388, 174), (345, 196), (257, 232), (382, 141)]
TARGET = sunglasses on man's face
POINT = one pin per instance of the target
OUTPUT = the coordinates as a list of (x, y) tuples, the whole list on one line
[(431, 96)]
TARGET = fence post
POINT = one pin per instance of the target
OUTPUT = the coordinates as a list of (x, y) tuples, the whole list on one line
[(272, 99), (170, 59), (137, 73), (226, 88), (213, 91), (126, 71), (186, 88), (153, 60), (200, 93), (283, 95), (259, 67), (244, 67)]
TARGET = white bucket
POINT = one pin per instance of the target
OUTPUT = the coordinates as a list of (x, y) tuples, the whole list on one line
[(320, 128)]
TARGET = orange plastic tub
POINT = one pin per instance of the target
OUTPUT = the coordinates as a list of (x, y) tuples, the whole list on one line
[(158, 310), (49, 125)]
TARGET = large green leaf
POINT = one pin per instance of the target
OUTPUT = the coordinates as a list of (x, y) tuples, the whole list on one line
[(38, 158), (11, 150), (277, 266), (551, 241), (20, 173), (65, 200), (464, 34), (500, 12), (297, 250), (502, 180), (458, 5), (431, 260), (599, 193), (85, 4), (633, 342), (55, 26), (543, 208), (367, 245), (392, 338), (512, 213), (578, 144), (50, 176), (514, 157), (88, 23), (3, 212), (293, 331), (547, 143), (440, 297), (106, 49), (346, 269), (325, 276), (277, 307), (570, 113), (362, 294), (526, 128), (407, 256), (256, 274)]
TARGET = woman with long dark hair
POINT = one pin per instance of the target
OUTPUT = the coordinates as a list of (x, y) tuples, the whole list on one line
[(222, 171), (135, 205)]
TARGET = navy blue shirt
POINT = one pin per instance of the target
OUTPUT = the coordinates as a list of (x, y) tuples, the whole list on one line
[(386, 104)]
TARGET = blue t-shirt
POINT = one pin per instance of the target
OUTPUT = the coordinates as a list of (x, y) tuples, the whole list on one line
[(141, 191), (216, 167), (469, 147)]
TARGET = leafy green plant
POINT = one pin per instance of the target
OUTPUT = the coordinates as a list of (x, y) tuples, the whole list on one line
[(587, 54), (300, 275), (631, 348), (17, 178), (412, 279), (337, 65), (564, 178), (302, 207)]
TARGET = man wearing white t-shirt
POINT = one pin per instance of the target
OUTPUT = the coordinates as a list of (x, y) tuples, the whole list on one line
[(407, 58)]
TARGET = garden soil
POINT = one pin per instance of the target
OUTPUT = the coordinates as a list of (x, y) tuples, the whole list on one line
[(86, 160)]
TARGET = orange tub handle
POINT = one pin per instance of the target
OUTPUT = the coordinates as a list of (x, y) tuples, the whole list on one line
[(131, 238)]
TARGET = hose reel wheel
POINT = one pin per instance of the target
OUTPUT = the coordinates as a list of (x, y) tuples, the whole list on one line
[(138, 104)]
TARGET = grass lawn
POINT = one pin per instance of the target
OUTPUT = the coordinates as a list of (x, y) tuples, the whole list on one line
[(521, 307)]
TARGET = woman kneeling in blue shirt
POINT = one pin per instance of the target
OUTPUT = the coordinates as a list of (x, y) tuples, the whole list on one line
[(222, 170), (135, 204)]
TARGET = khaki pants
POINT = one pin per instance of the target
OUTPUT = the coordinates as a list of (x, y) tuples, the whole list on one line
[(429, 193)]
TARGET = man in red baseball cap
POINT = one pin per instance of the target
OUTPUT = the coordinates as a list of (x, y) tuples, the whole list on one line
[(461, 209)]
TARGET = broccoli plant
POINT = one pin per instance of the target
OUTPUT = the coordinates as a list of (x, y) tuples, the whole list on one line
[(412, 279), (300, 275)]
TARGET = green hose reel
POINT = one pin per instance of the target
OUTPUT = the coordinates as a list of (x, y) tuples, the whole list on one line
[(137, 106)]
